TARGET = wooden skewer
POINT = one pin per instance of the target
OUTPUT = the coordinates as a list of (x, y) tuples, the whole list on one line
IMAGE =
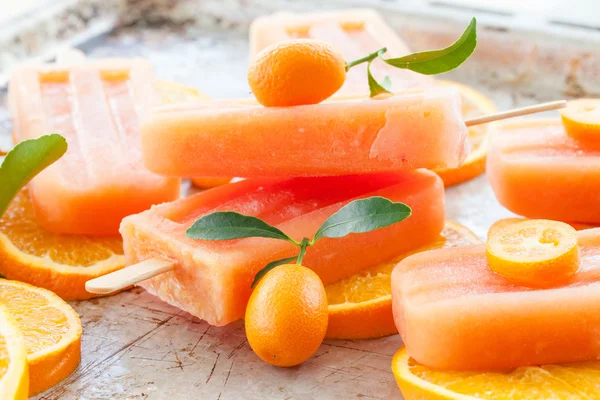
[(517, 112), (131, 275), (128, 276)]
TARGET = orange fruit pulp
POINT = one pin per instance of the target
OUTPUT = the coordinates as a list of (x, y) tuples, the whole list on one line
[(286, 316), (296, 72), (51, 329), (534, 253)]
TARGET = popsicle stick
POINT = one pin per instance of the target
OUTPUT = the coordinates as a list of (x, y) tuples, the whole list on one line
[(517, 112), (128, 276)]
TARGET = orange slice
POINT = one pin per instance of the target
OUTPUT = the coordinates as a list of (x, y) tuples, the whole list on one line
[(563, 381), (63, 264), (52, 332), (474, 104), (535, 253), (172, 92), (503, 223), (360, 306), (14, 375), (581, 119), (207, 183)]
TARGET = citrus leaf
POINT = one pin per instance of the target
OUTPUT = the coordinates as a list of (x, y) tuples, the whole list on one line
[(362, 216), (439, 61), (229, 225), (376, 88), (260, 274), (26, 160)]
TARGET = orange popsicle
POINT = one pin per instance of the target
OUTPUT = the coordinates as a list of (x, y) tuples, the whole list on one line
[(423, 129), (211, 280), (454, 313), (353, 32), (537, 171), (96, 106)]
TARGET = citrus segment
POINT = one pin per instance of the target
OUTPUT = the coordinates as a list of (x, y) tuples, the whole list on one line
[(14, 376), (286, 316), (62, 264), (296, 72), (360, 306), (474, 104), (563, 381), (51, 329), (534, 253), (581, 119)]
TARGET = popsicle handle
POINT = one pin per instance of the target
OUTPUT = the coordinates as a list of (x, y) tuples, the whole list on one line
[(517, 112), (128, 276)]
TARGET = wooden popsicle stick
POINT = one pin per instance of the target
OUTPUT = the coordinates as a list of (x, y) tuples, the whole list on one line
[(517, 112), (128, 276)]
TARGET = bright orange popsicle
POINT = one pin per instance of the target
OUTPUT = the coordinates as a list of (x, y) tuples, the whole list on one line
[(537, 171), (454, 313), (96, 106), (353, 32), (212, 280), (416, 130)]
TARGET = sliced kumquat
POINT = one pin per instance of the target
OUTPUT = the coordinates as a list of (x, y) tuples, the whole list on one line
[(534, 253), (581, 119)]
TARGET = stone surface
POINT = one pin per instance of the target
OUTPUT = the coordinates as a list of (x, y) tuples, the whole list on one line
[(137, 347)]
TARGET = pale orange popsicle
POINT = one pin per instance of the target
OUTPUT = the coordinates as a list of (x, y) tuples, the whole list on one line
[(454, 313), (422, 129), (212, 280), (96, 106), (353, 32), (537, 171)]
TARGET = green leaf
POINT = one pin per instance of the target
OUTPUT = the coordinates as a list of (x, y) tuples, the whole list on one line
[(376, 88), (439, 61), (260, 274), (231, 225), (26, 160), (363, 216)]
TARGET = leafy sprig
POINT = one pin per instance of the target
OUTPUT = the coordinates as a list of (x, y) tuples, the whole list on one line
[(430, 62), (359, 216), (26, 160)]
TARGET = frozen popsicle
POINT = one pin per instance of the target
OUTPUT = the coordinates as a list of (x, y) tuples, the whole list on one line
[(211, 279), (423, 129), (96, 106), (538, 171), (354, 32), (454, 313)]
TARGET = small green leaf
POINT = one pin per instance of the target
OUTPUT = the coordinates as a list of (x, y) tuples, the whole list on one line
[(439, 61), (231, 225), (363, 216), (260, 274), (376, 88), (26, 160)]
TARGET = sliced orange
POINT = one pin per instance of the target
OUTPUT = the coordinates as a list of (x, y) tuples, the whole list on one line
[(14, 373), (52, 332), (581, 119), (172, 92), (535, 253), (474, 104), (563, 381), (360, 306), (62, 264), (207, 183), (503, 223)]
